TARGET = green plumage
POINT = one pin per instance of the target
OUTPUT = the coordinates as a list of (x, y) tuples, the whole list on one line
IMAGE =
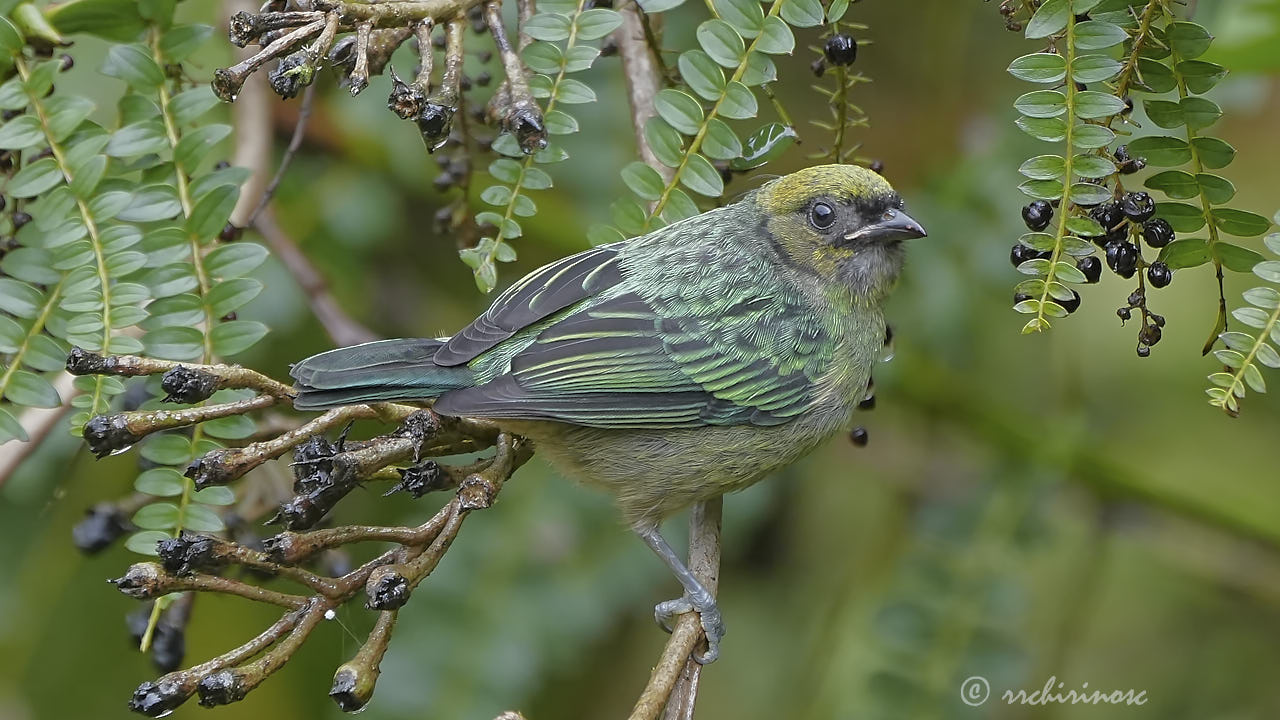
[(673, 366)]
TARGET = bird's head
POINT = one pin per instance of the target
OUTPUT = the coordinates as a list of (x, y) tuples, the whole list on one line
[(843, 222)]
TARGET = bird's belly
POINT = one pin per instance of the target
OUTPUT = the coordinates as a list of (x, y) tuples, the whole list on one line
[(655, 473)]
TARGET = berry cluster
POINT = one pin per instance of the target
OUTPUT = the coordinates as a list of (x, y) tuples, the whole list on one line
[(1127, 223)]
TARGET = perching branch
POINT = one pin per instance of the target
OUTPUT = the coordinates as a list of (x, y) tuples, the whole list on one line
[(673, 684)]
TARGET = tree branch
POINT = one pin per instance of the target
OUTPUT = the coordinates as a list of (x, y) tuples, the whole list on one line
[(644, 79), (674, 680)]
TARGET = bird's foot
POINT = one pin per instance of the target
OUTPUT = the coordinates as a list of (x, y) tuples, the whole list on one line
[(708, 613)]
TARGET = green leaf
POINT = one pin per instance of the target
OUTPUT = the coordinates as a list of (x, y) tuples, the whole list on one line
[(680, 110), (151, 203), (701, 177), (666, 143), (702, 74), (134, 65), (231, 295), (234, 260), (1187, 39), (195, 145), (1155, 77), (1269, 271), (161, 481), (657, 6), (1181, 216), (548, 26), (219, 494), (175, 343), (1089, 194), (575, 92), (1216, 189), (1213, 153), (1044, 167), (11, 42), (802, 13), (744, 15), (19, 299), (1051, 18), (1263, 297), (189, 106), (679, 206), (178, 42), (1042, 189), (212, 211), (496, 195), (1094, 68), (31, 390), (1089, 137), (200, 518), (723, 43), (1092, 166), (1199, 113), (760, 70), (739, 103), (720, 141), (21, 132), (144, 543), (1235, 258), (35, 179), (1047, 129), (1164, 113), (1161, 151), (765, 145), (1041, 104), (236, 336), (1098, 35), (1176, 184), (643, 180), (543, 57), (535, 179), (1200, 76), (580, 57), (1039, 68), (1240, 223), (157, 516), (776, 37), (1092, 104), (595, 23), (140, 138), (559, 122), (1188, 253)]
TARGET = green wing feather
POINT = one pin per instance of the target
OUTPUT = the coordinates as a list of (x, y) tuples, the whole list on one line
[(690, 334)]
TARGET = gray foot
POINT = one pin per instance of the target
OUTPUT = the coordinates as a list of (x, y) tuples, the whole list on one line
[(708, 613)]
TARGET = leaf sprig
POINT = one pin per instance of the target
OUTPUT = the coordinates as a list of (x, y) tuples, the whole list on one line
[(1245, 352)]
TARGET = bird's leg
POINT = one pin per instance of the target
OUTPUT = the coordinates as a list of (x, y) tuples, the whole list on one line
[(696, 598)]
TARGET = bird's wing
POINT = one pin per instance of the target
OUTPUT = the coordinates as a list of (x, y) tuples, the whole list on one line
[(637, 362), (535, 297)]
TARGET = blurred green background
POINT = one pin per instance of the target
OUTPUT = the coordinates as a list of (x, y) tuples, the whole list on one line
[(1028, 507)]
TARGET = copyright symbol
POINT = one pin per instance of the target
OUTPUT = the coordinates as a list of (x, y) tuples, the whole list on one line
[(975, 691)]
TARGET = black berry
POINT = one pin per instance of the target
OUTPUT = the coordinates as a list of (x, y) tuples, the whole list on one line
[(1157, 232), (1122, 258), (1037, 215), (1091, 267), (858, 436), (1123, 313), (841, 49), (1138, 206), (1021, 253), (1108, 215), (1144, 351), (1159, 274), (20, 218), (1150, 335)]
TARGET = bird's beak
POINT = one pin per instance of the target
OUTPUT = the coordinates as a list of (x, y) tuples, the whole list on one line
[(894, 225)]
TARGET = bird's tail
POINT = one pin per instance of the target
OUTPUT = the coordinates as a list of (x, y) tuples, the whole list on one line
[(373, 372)]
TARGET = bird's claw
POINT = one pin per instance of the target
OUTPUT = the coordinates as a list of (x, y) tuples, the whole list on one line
[(709, 615)]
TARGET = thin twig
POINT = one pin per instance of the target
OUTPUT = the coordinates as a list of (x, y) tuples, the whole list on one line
[(644, 80), (295, 142)]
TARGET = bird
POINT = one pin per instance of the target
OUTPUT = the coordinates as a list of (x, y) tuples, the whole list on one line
[(672, 367)]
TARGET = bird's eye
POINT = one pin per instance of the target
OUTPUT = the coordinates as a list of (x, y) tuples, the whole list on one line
[(822, 215)]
